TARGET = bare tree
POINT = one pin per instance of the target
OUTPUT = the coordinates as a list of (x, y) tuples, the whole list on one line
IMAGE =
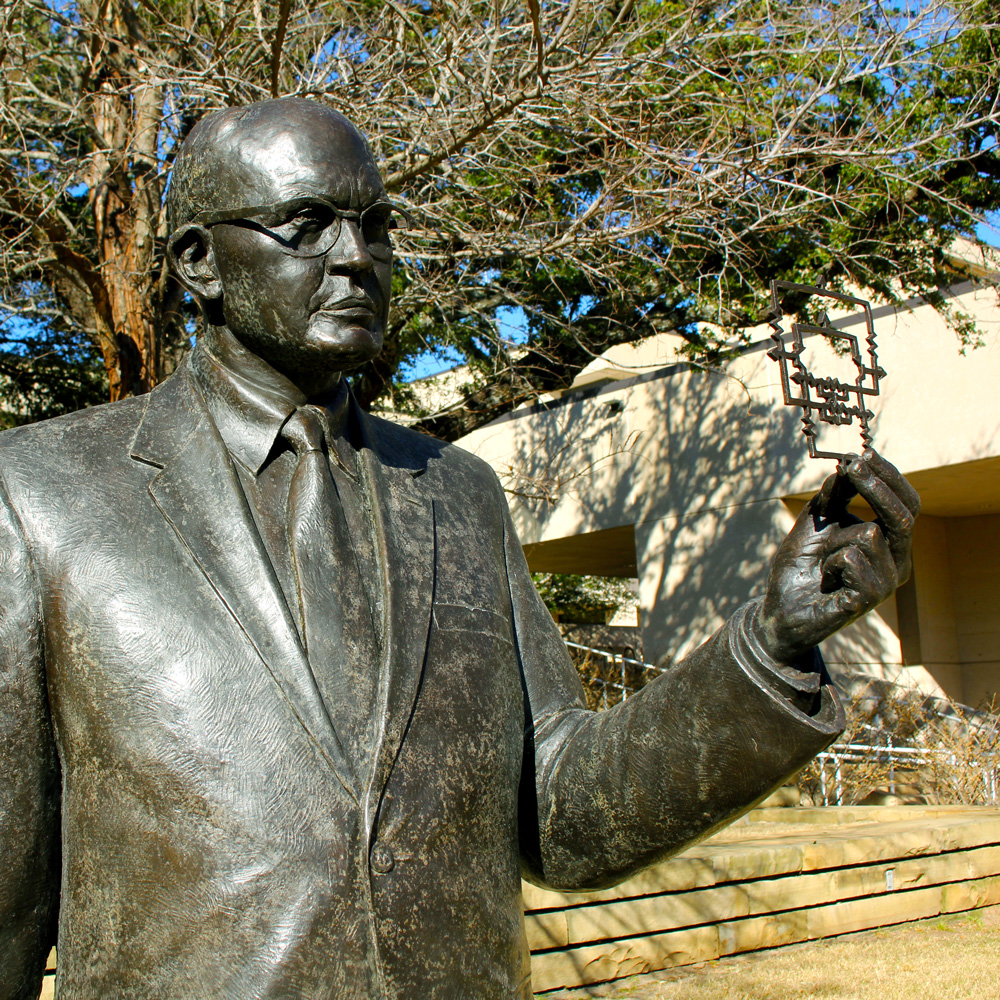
[(611, 169)]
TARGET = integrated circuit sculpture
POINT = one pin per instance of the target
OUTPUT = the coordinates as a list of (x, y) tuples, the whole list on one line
[(824, 398)]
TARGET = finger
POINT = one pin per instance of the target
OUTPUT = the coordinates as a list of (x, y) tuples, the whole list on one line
[(820, 501), (835, 494), (864, 535), (894, 516), (852, 584), (867, 543), (894, 479), (838, 609)]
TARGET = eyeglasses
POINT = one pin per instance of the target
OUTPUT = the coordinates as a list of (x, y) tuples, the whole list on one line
[(310, 226)]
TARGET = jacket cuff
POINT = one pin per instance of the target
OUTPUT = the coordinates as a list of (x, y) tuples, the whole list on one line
[(801, 683)]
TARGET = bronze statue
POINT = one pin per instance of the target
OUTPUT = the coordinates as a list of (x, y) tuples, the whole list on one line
[(281, 713)]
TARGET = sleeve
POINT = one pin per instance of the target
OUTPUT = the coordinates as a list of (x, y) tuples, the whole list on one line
[(29, 776), (606, 794)]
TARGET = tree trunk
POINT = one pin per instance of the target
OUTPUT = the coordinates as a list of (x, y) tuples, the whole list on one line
[(126, 324), (130, 345), (125, 194)]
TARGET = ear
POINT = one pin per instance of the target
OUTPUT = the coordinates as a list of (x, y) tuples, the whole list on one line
[(192, 258)]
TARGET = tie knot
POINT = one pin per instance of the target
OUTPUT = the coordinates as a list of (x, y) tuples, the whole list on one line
[(304, 430)]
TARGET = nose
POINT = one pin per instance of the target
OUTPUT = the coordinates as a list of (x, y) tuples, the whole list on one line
[(350, 251)]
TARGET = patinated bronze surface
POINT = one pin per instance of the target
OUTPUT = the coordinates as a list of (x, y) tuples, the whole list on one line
[(281, 713)]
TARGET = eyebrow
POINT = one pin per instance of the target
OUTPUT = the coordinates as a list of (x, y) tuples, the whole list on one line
[(209, 216)]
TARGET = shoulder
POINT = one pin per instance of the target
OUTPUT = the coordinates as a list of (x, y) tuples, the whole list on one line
[(428, 457), (83, 442)]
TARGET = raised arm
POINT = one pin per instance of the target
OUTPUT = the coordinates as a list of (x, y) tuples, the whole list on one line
[(29, 777), (607, 794)]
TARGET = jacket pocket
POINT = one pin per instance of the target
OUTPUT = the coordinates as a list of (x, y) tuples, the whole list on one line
[(468, 618)]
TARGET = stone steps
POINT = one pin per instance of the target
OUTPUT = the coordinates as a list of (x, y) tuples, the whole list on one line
[(779, 877)]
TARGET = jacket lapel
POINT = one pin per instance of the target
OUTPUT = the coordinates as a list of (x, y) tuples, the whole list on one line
[(199, 493), (404, 535)]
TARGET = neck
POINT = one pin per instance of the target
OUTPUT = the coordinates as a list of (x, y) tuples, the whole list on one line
[(238, 358)]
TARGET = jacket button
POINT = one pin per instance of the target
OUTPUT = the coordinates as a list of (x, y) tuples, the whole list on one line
[(382, 859)]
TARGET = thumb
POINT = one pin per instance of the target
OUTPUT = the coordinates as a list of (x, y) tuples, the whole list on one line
[(835, 494)]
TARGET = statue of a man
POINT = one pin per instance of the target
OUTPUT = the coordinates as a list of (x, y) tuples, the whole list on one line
[(281, 713)]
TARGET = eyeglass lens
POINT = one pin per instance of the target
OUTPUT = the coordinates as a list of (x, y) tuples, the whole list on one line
[(312, 229)]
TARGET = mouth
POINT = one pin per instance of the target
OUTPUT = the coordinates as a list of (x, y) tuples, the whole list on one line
[(353, 308)]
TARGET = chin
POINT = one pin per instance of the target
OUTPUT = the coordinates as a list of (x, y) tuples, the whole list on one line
[(343, 347)]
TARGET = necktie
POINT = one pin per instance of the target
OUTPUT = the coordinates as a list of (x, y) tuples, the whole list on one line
[(334, 612)]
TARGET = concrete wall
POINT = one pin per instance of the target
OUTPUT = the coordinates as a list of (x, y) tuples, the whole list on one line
[(708, 468)]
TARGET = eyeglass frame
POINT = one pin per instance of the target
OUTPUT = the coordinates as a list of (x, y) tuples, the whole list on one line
[(207, 218)]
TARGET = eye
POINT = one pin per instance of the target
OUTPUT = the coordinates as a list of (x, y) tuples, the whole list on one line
[(377, 223), (313, 215), (305, 225), (377, 220)]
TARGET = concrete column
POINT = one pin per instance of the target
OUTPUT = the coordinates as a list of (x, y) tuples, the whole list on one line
[(974, 549), (927, 609)]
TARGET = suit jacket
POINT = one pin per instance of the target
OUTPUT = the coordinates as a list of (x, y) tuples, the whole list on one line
[(174, 799)]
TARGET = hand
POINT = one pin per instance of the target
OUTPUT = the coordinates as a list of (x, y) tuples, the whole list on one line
[(833, 567)]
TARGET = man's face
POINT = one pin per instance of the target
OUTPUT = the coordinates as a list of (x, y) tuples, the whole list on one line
[(302, 311)]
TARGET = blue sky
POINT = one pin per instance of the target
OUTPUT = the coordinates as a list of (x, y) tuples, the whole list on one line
[(989, 231), (512, 325)]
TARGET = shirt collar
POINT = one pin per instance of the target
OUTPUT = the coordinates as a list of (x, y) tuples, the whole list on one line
[(250, 401)]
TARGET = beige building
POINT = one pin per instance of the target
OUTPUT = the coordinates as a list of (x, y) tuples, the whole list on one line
[(687, 479)]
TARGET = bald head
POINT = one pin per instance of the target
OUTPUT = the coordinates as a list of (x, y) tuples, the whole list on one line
[(264, 153), (280, 229)]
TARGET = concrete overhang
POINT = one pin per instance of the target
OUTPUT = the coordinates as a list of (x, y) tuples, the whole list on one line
[(961, 490), (610, 552)]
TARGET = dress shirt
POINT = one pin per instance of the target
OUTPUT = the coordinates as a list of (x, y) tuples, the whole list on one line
[(249, 403)]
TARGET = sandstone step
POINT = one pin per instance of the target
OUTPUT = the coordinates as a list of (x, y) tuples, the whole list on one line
[(630, 917), (768, 884), (571, 967)]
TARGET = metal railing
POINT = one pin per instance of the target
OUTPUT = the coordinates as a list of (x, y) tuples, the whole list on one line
[(910, 758), (611, 665)]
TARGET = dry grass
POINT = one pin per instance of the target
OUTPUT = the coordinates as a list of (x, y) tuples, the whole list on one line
[(952, 958), (961, 765)]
